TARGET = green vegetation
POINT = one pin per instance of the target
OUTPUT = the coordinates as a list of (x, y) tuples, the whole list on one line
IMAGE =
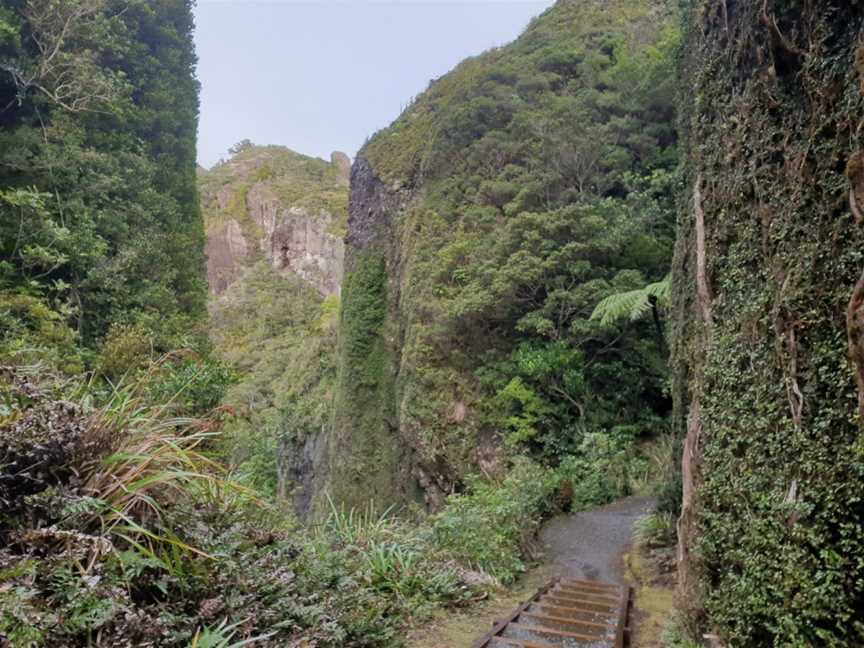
[(364, 398), (284, 359), (765, 301), (99, 219), (142, 536), (492, 528), (521, 190), (155, 542)]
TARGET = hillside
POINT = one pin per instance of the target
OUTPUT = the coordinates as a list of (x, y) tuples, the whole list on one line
[(485, 225)]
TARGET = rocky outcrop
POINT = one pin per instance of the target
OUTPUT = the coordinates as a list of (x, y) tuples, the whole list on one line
[(297, 241), (343, 163), (364, 457), (277, 206), (226, 250), (276, 222)]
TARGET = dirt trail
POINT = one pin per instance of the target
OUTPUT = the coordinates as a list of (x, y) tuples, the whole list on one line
[(590, 545)]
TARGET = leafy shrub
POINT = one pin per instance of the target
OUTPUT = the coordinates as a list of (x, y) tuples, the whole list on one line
[(601, 470), (490, 527), (126, 349), (190, 384), (655, 530), (33, 332)]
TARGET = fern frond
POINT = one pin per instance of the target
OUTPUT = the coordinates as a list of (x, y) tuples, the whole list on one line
[(633, 304), (661, 290), (641, 307), (620, 306)]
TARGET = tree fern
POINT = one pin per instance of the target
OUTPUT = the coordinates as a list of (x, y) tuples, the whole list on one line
[(633, 304)]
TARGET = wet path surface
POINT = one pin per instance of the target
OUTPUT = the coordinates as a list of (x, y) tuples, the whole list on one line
[(589, 545)]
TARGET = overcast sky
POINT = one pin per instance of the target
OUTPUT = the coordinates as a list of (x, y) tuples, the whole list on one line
[(323, 76)]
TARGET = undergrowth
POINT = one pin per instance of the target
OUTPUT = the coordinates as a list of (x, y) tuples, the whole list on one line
[(137, 535)]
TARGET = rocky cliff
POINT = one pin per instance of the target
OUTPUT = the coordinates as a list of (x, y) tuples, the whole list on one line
[(272, 202), (768, 325), (484, 226)]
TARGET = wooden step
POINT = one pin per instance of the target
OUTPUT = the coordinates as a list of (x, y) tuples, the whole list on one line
[(558, 610), (603, 627), (610, 594), (567, 601), (560, 634), (506, 641), (594, 584), (565, 613)]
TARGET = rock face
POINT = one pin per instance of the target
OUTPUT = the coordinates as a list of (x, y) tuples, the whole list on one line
[(297, 241), (297, 476), (343, 163), (226, 249), (365, 456), (768, 292), (278, 204)]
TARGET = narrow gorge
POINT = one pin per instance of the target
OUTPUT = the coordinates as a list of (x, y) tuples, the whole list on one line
[(590, 307)]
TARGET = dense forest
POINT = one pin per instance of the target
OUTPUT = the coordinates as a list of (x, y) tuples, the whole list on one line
[(101, 227), (288, 401)]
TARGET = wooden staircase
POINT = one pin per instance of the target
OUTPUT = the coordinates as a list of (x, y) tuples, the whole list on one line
[(565, 614)]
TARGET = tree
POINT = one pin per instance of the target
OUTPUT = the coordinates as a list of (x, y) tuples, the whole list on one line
[(99, 216)]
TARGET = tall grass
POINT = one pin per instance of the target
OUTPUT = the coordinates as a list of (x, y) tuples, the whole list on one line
[(148, 460), (358, 526)]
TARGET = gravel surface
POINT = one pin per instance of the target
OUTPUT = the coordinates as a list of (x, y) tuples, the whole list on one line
[(589, 545)]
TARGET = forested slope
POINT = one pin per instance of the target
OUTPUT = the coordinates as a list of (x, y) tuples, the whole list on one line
[(485, 225), (767, 334), (98, 201)]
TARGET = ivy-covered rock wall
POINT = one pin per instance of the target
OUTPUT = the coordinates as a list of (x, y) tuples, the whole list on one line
[(768, 340)]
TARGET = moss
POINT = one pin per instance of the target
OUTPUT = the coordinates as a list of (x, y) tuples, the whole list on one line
[(365, 451), (653, 602)]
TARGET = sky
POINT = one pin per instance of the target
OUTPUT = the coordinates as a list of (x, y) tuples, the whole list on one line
[(323, 76)]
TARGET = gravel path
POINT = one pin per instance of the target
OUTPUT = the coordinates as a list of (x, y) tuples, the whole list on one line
[(589, 545)]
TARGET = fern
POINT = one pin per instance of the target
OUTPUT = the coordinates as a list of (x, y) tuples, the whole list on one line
[(662, 290), (633, 304)]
